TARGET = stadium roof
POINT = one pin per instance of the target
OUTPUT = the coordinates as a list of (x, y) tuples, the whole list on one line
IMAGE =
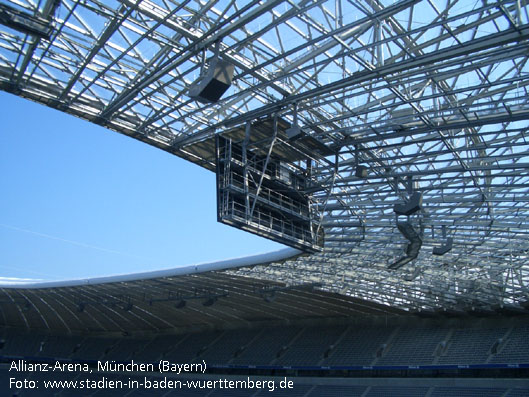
[(430, 96), (193, 298)]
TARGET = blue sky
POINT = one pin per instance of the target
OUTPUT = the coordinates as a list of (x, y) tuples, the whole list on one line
[(80, 201)]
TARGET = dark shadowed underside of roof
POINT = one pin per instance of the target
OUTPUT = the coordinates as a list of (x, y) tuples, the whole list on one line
[(152, 306), (428, 96)]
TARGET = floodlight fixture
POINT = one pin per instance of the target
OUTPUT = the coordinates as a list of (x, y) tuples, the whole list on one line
[(209, 301), (180, 304), (360, 170), (270, 297), (216, 80), (294, 132)]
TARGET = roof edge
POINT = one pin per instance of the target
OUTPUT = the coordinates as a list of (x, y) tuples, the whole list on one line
[(251, 260)]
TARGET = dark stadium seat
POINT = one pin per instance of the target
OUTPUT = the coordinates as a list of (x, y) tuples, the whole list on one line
[(337, 391), (225, 348), (192, 349), (264, 350), (413, 346), (515, 349), (385, 391), (157, 347), (471, 345), (310, 345), (358, 346), (467, 392)]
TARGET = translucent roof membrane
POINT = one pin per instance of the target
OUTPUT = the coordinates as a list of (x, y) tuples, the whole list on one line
[(430, 96)]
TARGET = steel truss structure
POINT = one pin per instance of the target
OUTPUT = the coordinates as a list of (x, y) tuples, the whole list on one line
[(429, 96)]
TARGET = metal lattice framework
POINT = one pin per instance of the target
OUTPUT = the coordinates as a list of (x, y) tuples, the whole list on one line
[(430, 96)]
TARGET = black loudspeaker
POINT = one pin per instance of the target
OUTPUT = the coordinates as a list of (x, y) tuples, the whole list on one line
[(215, 82), (412, 206), (361, 171)]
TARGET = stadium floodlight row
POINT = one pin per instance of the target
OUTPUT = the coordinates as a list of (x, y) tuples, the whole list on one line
[(385, 102)]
